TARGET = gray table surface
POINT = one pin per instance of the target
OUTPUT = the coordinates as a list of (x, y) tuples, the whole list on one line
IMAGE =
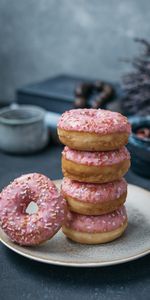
[(21, 278)]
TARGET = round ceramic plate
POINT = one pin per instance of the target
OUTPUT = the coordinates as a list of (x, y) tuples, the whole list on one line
[(134, 243)]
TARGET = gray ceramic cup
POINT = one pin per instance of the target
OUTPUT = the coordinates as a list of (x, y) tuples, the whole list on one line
[(23, 129)]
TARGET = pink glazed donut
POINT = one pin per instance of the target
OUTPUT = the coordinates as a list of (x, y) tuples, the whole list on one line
[(95, 167), (93, 129), (31, 229), (94, 199), (95, 229)]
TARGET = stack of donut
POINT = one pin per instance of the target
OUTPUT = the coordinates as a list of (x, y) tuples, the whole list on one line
[(94, 162)]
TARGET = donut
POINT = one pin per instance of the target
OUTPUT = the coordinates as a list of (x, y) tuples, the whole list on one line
[(94, 199), (93, 129), (95, 229), (95, 167), (31, 229), (83, 92)]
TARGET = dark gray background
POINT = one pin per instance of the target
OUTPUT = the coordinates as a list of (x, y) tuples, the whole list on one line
[(42, 38)]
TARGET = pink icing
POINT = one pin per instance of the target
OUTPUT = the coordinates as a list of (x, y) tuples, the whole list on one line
[(94, 120), (96, 158), (94, 193), (91, 224), (31, 229)]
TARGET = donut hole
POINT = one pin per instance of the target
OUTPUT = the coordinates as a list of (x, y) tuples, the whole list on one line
[(32, 208)]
